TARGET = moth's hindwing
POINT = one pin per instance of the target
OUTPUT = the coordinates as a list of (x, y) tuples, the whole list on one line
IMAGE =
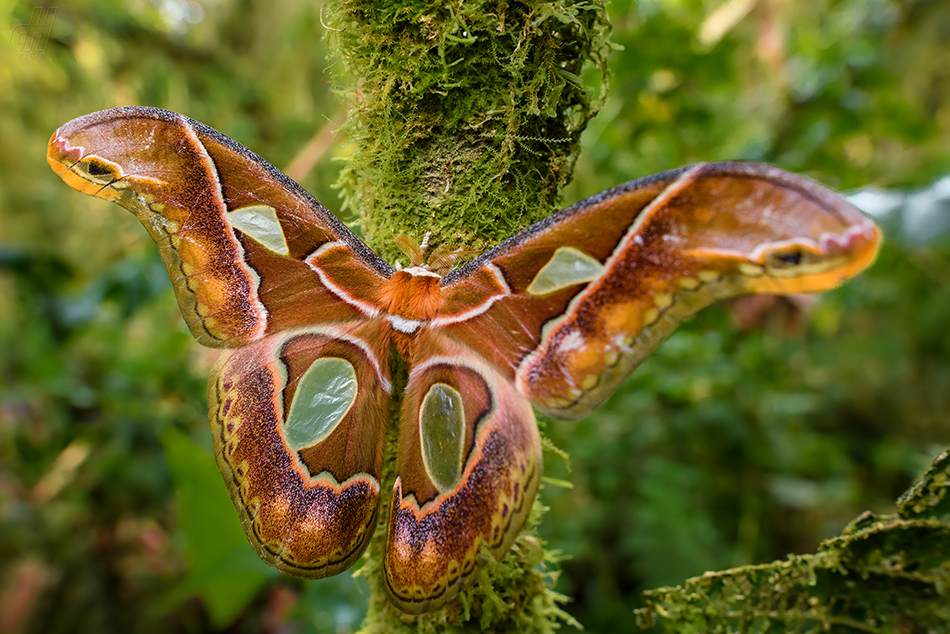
[(298, 426), (469, 464)]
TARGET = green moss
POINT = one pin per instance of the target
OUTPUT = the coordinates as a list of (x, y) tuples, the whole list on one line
[(511, 595), (465, 117)]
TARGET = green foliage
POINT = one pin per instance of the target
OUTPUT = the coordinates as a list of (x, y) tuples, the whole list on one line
[(221, 569), (850, 91), (727, 448), (85, 483)]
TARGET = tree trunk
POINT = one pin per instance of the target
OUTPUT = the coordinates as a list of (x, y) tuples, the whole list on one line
[(465, 120)]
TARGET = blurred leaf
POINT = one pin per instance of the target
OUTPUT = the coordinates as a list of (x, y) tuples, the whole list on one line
[(223, 568)]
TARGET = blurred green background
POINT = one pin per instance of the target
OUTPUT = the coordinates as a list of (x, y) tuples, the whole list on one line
[(759, 429)]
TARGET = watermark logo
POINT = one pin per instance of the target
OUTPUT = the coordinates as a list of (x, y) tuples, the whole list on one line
[(30, 39)]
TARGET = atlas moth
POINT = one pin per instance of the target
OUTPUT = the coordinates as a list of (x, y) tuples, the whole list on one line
[(554, 318)]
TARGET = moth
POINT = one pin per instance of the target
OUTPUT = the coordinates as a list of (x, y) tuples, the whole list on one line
[(553, 318)]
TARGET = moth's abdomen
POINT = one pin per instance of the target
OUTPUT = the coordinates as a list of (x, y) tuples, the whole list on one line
[(469, 463)]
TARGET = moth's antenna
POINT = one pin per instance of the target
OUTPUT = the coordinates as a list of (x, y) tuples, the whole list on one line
[(410, 248)]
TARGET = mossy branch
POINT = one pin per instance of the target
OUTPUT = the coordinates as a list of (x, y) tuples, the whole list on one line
[(465, 120), (465, 117), (883, 574)]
